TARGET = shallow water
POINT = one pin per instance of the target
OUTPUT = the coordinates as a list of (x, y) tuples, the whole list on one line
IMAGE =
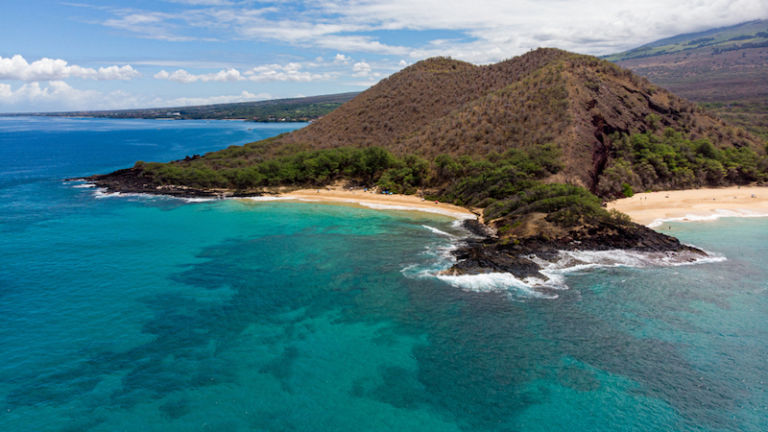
[(134, 313)]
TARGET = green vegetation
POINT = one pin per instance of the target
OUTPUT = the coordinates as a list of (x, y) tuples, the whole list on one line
[(493, 137), (565, 205), (669, 161), (752, 115), (508, 185)]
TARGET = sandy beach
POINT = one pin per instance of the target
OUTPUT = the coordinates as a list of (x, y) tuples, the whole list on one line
[(694, 204), (381, 201)]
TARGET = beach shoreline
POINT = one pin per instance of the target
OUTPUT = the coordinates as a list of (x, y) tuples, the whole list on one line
[(689, 205), (379, 201)]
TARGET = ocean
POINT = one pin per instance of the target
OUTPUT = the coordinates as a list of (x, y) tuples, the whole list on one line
[(137, 313)]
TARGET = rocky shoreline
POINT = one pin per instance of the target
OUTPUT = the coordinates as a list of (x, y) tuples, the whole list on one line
[(486, 253), (129, 180), (482, 252)]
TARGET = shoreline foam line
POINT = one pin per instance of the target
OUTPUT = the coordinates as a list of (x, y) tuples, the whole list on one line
[(372, 201), (555, 271)]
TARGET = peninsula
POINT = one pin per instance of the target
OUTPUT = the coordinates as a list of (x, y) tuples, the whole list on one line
[(536, 143)]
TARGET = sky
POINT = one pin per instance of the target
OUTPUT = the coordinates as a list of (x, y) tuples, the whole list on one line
[(88, 55)]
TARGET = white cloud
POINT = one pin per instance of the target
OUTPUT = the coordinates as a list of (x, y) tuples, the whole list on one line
[(403, 63), (288, 72), (498, 29), (152, 25), (487, 31), (203, 2), (273, 72), (341, 58), (46, 69), (361, 69), (182, 76), (60, 96)]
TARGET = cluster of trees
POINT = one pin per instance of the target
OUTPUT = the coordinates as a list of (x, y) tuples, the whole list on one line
[(303, 168), (465, 180), (649, 161), (508, 185), (565, 205)]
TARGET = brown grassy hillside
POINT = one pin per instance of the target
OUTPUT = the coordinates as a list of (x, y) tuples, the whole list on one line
[(451, 126), (546, 96)]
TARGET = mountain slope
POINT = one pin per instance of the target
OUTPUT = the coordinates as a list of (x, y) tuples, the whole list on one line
[(725, 69), (517, 139), (578, 119), (546, 96), (740, 36), (416, 96)]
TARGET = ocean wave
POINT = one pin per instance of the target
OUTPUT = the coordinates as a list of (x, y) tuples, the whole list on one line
[(102, 193), (265, 198), (497, 282), (439, 232), (720, 213), (553, 272), (197, 199), (576, 261), (84, 186)]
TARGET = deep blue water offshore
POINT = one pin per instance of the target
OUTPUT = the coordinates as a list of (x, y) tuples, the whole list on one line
[(154, 314)]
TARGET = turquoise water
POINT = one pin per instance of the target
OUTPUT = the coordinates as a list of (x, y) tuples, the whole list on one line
[(141, 314)]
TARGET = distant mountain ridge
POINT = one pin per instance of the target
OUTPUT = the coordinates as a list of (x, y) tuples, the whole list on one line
[(725, 69), (744, 35)]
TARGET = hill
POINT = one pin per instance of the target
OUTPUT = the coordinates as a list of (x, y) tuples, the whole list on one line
[(603, 122), (531, 141), (724, 69), (294, 109)]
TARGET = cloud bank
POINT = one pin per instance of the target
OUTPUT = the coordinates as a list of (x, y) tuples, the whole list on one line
[(264, 73), (17, 68), (485, 31)]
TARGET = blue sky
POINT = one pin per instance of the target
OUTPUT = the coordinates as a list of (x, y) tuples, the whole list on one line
[(81, 54)]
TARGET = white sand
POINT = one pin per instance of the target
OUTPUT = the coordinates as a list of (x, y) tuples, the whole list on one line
[(378, 201), (694, 204)]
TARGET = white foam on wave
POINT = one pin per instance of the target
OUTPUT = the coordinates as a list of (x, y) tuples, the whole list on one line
[(496, 282), (84, 186), (101, 193), (198, 199), (439, 232), (265, 198), (575, 261), (720, 213), (554, 272)]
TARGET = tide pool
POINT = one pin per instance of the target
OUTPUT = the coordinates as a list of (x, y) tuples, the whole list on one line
[(151, 313)]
